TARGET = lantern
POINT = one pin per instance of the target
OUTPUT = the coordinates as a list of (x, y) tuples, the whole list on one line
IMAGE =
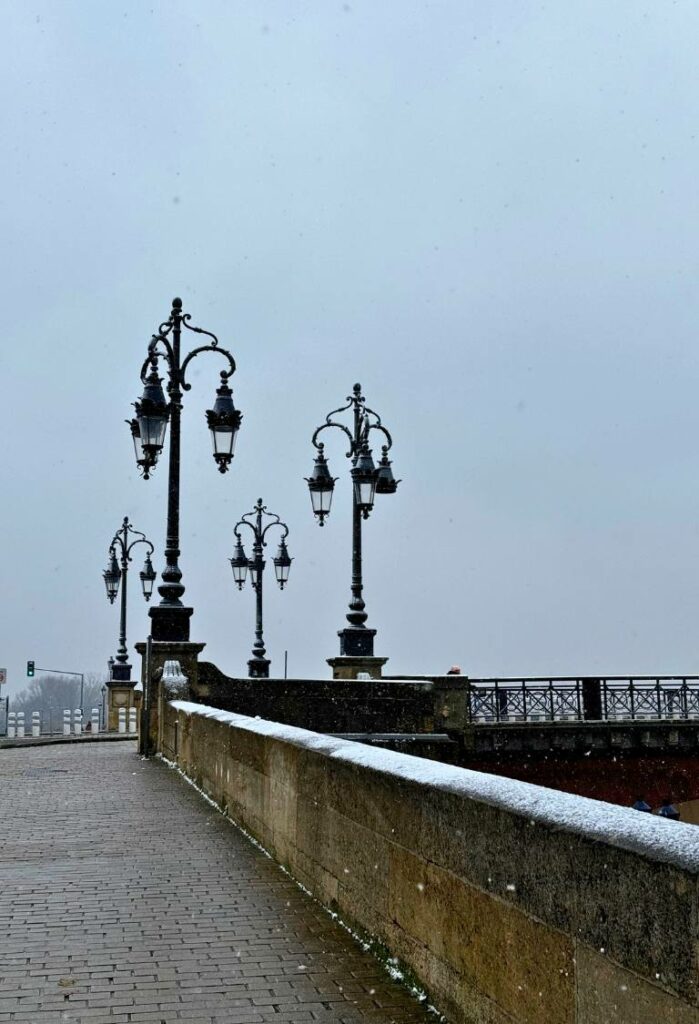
[(282, 564), (224, 421)]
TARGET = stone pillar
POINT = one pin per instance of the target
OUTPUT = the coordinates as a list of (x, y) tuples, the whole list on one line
[(187, 653), (348, 667), (452, 700), (120, 695)]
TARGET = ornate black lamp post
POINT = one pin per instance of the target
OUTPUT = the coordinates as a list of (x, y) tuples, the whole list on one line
[(170, 619), (368, 479), (258, 666), (117, 573)]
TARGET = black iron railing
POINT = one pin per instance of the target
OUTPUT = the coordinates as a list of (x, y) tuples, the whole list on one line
[(578, 698)]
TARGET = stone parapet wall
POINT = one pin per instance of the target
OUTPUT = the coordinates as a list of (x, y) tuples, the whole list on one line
[(511, 903), (324, 705)]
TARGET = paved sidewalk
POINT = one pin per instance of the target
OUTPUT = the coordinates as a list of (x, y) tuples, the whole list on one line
[(125, 897)]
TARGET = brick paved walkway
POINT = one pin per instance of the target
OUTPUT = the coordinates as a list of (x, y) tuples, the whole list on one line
[(125, 897)]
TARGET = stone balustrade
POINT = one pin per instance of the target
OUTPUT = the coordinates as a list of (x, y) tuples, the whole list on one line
[(510, 903)]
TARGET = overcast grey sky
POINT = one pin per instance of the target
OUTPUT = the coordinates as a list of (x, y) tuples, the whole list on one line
[(486, 213)]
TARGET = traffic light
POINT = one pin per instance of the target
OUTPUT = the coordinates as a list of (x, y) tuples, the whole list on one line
[(30, 668)]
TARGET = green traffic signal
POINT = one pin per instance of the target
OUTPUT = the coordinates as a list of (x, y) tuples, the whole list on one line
[(30, 668)]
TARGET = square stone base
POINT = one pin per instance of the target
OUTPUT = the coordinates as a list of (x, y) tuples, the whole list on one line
[(186, 653), (120, 694), (345, 667)]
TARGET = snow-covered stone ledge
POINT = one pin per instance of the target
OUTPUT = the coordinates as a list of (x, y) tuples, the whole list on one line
[(510, 902)]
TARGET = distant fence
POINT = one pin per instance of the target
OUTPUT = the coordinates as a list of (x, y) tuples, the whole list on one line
[(51, 721), (574, 699), (48, 722)]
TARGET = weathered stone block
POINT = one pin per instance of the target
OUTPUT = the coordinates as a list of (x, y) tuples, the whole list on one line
[(523, 966), (608, 994)]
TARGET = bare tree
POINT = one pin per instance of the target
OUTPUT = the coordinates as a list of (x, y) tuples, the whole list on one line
[(52, 694)]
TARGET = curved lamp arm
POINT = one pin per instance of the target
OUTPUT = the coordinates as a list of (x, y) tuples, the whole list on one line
[(260, 532), (126, 547), (244, 522), (139, 540), (340, 426), (225, 374), (343, 408), (154, 353), (277, 522), (379, 426)]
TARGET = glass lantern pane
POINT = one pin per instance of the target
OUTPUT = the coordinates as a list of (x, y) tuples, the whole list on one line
[(282, 572), (364, 491), (223, 440), (239, 571), (152, 430), (321, 501), (137, 445)]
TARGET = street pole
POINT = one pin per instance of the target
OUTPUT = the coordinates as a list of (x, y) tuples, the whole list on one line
[(117, 575), (357, 616), (258, 648), (368, 479), (123, 654), (258, 665), (170, 619), (171, 589), (144, 746)]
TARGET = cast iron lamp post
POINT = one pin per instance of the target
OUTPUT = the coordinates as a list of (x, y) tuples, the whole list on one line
[(117, 573), (170, 619), (368, 479), (258, 665)]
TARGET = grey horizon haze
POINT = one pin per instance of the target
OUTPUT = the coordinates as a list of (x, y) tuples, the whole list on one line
[(486, 214)]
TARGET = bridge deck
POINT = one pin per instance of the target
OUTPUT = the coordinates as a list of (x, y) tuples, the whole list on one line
[(124, 897)]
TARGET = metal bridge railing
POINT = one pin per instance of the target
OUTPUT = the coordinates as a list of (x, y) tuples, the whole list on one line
[(575, 699)]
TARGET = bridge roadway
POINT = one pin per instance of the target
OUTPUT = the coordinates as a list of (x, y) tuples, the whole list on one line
[(126, 899)]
